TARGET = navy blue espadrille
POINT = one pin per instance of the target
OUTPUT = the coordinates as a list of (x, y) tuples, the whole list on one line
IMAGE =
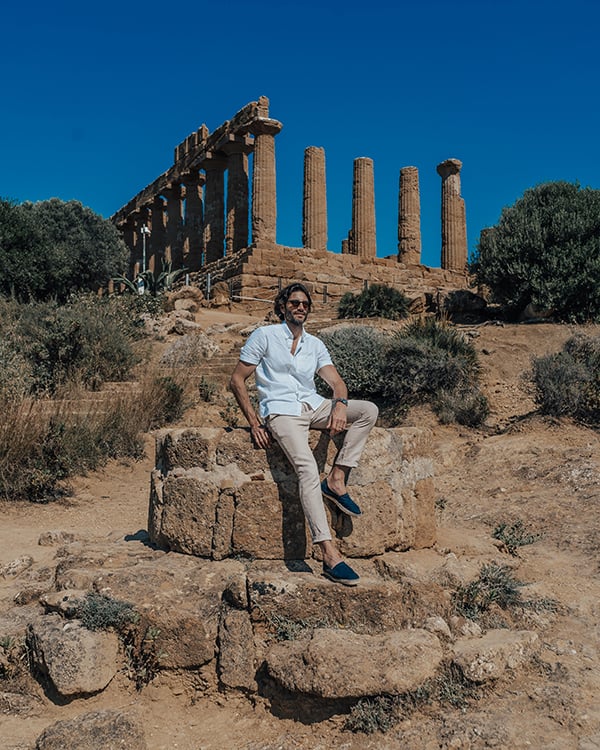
[(344, 502), (341, 573)]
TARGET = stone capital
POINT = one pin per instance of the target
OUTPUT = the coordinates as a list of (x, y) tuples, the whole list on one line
[(194, 177), (449, 167), (235, 144), (213, 160), (265, 126)]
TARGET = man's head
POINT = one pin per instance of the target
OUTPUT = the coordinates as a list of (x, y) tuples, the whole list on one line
[(293, 304)]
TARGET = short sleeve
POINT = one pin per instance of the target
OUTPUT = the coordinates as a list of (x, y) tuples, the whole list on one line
[(255, 347), (323, 356)]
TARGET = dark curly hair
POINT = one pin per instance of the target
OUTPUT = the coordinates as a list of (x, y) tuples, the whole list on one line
[(284, 295)]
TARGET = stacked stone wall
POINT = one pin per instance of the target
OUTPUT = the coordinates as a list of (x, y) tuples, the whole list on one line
[(259, 272), (214, 496)]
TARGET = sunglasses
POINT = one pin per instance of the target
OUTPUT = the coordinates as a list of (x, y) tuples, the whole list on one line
[(297, 302)]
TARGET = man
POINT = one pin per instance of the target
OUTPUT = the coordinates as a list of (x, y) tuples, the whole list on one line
[(284, 359)]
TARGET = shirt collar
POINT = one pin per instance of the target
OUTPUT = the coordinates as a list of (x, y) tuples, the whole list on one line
[(289, 334)]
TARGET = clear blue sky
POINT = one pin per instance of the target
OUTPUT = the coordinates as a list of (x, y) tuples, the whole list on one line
[(96, 95)]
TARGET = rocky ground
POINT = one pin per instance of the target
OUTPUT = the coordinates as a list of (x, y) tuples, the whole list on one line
[(518, 468)]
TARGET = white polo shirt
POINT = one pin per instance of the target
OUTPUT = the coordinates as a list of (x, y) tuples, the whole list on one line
[(285, 381)]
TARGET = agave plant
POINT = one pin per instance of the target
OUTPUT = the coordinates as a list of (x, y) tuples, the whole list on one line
[(152, 284)]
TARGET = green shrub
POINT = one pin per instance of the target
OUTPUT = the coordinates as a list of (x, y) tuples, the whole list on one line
[(231, 413), (430, 362), (87, 341), (50, 249), (358, 355), (376, 714), (43, 443), (207, 389), (100, 612), (170, 403), (382, 712), (545, 250), (188, 351), (514, 535), (377, 301), (466, 406), (16, 377), (567, 383), (494, 585), (426, 362)]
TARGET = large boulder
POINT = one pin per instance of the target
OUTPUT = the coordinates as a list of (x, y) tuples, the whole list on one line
[(76, 660), (213, 495), (343, 664), (487, 658), (278, 591), (97, 730), (180, 601)]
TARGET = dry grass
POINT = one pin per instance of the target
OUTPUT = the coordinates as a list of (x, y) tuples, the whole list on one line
[(44, 442)]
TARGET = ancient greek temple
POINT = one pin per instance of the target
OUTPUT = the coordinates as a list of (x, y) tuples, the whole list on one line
[(213, 214)]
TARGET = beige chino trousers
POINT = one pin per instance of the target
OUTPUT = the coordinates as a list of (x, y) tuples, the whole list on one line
[(291, 432)]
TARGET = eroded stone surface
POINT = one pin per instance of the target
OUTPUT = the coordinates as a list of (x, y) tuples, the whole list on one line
[(181, 607), (341, 664), (237, 667), (76, 660), (214, 495), (301, 594), (97, 730), (487, 658)]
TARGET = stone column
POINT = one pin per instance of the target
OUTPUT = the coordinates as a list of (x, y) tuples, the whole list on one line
[(194, 221), (409, 217), (264, 193), (130, 238), (314, 208), (174, 249), (454, 225), (237, 149), (362, 239), (158, 236), (214, 207)]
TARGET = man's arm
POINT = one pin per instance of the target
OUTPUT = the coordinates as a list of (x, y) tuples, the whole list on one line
[(237, 384), (337, 419)]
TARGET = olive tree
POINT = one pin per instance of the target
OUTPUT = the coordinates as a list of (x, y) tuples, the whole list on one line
[(53, 248), (545, 250)]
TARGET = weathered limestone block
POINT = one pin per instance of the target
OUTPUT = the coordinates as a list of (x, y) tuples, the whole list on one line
[(77, 660), (189, 514), (343, 664), (182, 606), (487, 658), (55, 537), (213, 495), (300, 593), (97, 730), (186, 448), (14, 568), (14, 621), (260, 506), (428, 566), (79, 565), (237, 668)]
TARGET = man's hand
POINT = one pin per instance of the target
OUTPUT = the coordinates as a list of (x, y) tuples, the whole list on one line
[(337, 419), (260, 436)]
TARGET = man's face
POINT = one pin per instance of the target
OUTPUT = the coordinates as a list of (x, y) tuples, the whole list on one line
[(296, 308)]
